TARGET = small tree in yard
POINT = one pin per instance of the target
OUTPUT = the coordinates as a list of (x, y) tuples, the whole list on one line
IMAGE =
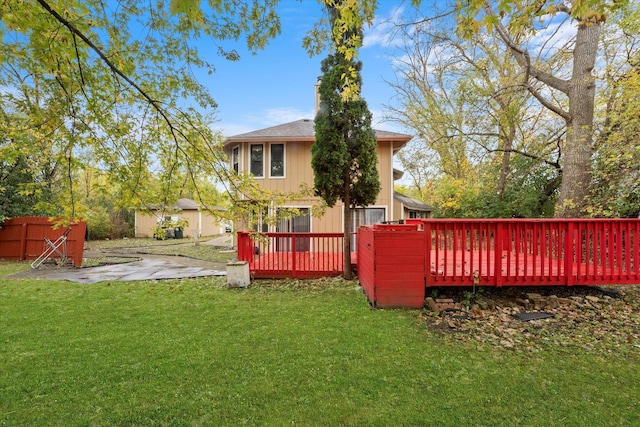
[(344, 154)]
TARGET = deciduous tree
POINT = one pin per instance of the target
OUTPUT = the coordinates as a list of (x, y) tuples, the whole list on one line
[(115, 82), (510, 21), (465, 101)]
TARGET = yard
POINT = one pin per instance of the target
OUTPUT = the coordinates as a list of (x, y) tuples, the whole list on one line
[(192, 352)]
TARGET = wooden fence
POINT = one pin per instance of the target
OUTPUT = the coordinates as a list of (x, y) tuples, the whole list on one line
[(23, 238)]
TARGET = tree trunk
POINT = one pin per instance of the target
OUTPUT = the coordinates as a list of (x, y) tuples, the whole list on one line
[(576, 173), (348, 273)]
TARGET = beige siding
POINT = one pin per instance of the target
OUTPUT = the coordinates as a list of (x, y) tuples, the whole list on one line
[(297, 166), (204, 224), (298, 170), (144, 223), (398, 211), (385, 168)]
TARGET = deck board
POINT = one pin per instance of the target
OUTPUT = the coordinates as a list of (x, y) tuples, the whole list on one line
[(522, 269), (299, 264)]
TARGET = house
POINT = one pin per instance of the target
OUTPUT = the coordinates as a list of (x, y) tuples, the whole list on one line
[(200, 222), (411, 208), (279, 158)]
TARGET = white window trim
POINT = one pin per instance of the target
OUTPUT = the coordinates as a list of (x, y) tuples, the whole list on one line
[(239, 157), (284, 160), (386, 213), (264, 155)]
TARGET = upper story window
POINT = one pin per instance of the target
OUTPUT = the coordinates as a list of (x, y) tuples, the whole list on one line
[(257, 160), (277, 160), (235, 159)]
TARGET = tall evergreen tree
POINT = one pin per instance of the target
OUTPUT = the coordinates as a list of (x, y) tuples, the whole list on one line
[(344, 154)]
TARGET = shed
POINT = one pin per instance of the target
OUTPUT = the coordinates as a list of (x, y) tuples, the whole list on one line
[(410, 208), (201, 222)]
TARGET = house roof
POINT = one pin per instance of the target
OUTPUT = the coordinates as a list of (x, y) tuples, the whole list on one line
[(412, 204), (185, 205), (303, 130), (397, 174)]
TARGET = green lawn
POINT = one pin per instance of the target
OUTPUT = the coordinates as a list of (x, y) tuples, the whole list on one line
[(192, 352)]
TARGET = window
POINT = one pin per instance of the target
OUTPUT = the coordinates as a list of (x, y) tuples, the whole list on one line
[(261, 220), (365, 216), (418, 214), (277, 160), (297, 224), (257, 160), (235, 159)]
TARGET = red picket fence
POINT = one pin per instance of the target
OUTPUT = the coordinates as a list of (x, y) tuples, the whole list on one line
[(299, 255), (23, 238)]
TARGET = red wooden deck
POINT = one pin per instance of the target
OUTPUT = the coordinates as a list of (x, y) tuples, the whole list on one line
[(397, 262), (454, 252), (531, 252), (299, 255)]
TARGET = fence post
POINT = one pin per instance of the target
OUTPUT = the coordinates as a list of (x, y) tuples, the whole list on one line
[(568, 252), (244, 243)]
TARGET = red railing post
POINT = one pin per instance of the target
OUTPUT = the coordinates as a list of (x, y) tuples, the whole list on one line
[(244, 246), (427, 262), (567, 251), (293, 255), (497, 246)]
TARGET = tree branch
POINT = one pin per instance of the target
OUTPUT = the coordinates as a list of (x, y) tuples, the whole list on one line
[(76, 32), (524, 60)]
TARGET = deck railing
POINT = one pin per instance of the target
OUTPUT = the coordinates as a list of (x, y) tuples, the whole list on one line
[(531, 251), (463, 252), (298, 255)]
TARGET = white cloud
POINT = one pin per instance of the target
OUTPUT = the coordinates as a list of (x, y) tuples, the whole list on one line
[(382, 31), (277, 116), (553, 34), (267, 118)]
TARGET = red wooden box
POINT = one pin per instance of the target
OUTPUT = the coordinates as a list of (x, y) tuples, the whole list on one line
[(391, 265)]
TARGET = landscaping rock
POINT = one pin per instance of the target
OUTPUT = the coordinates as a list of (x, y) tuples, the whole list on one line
[(580, 317)]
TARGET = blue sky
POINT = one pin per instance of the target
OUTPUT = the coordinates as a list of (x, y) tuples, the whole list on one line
[(277, 85)]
